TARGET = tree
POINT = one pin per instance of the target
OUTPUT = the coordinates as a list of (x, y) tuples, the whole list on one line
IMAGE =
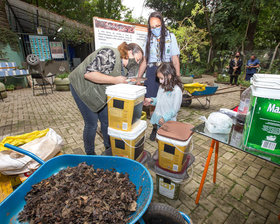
[(175, 10), (84, 10), (191, 39)]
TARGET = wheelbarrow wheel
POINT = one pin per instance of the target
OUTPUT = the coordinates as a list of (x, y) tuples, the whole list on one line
[(159, 213), (186, 101)]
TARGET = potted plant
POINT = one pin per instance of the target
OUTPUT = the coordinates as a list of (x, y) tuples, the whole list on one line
[(10, 87), (62, 82), (3, 90)]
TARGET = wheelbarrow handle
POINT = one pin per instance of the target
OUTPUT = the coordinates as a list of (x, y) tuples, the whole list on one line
[(25, 152)]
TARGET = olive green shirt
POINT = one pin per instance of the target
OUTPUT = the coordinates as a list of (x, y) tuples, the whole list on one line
[(93, 94)]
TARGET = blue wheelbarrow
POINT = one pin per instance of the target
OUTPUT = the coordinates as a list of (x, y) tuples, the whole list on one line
[(138, 174), (206, 93)]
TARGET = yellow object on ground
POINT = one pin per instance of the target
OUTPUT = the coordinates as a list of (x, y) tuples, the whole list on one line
[(9, 183), (22, 139), (194, 87), (144, 116)]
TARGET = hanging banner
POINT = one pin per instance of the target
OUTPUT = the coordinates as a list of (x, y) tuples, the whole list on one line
[(40, 47), (112, 33), (57, 50)]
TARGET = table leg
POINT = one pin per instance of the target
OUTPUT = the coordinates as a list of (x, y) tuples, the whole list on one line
[(216, 161), (205, 170)]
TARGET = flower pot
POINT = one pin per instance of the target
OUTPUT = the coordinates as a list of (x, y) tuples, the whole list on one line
[(3, 90), (62, 84)]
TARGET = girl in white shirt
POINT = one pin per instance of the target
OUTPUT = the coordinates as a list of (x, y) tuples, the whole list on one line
[(169, 97)]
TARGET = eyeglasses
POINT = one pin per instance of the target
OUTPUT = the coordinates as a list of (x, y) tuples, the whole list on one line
[(156, 26)]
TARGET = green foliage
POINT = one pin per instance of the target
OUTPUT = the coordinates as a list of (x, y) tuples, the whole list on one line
[(63, 75), (268, 28), (225, 79), (77, 35), (10, 87), (222, 79), (243, 82), (190, 38), (84, 10), (275, 69), (173, 10), (8, 37)]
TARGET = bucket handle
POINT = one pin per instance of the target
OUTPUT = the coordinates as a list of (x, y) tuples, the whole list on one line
[(134, 146), (180, 149), (25, 152)]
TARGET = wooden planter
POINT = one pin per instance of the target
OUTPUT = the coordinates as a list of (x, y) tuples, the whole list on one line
[(62, 84)]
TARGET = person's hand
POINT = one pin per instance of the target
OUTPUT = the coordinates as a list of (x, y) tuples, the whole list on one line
[(147, 101), (161, 121), (120, 79)]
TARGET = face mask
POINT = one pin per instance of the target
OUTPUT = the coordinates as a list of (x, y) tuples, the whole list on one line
[(156, 31), (237, 56), (131, 63)]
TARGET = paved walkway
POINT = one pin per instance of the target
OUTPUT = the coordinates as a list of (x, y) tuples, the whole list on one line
[(247, 189)]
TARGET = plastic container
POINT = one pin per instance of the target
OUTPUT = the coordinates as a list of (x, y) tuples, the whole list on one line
[(243, 107), (262, 126), (173, 144), (145, 157), (125, 103), (167, 185), (128, 144)]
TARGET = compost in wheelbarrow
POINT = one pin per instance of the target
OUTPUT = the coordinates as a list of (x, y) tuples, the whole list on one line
[(138, 175)]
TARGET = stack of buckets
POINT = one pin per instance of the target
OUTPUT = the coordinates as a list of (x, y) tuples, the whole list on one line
[(126, 129), (262, 127), (174, 142)]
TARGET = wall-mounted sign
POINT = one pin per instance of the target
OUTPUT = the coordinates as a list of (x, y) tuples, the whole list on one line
[(57, 50), (39, 30), (112, 33), (40, 47)]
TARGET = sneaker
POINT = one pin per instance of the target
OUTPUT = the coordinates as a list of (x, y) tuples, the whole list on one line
[(107, 152), (153, 135)]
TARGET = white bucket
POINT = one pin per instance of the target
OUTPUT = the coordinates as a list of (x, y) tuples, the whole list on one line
[(126, 91), (125, 103), (128, 144), (262, 127)]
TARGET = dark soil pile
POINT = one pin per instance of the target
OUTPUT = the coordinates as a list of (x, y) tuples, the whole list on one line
[(81, 194)]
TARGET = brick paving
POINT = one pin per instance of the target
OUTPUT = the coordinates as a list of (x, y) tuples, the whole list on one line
[(247, 189)]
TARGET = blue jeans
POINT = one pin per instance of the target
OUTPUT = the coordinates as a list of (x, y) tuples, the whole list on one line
[(90, 120), (248, 76)]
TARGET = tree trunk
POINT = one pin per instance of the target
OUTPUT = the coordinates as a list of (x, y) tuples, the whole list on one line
[(253, 25), (3, 16), (210, 52), (273, 57)]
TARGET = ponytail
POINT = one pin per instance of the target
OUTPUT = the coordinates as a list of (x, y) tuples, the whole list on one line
[(124, 48)]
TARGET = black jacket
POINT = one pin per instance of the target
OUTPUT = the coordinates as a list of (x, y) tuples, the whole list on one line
[(232, 64)]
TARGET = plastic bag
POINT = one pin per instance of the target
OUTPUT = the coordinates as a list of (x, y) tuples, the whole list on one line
[(45, 147), (218, 123)]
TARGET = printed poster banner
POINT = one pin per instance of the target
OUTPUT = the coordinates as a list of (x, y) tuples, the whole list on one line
[(112, 33), (40, 47), (57, 50)]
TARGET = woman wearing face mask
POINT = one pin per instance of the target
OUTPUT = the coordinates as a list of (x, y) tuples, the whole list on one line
[(88, 83), (235, 68), (161, 46)]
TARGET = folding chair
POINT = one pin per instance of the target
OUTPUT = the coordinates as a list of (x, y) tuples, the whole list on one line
[(40, 81)]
